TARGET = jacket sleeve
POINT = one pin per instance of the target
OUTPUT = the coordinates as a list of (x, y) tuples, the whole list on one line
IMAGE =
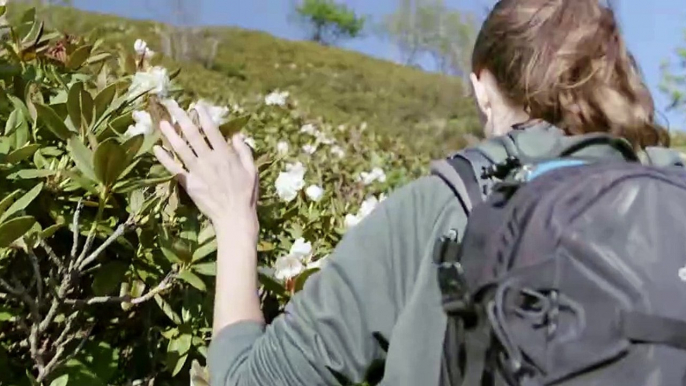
[(334, 328)]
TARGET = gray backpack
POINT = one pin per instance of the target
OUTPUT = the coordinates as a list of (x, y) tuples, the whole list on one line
[(571, 270)]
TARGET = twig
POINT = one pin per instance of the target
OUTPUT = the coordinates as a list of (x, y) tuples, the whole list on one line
[(75, 230), (121, 229), (60, 344), (91, 236), (53, 256), (165, 284), (56, 362), (37, 275), (11, 290)]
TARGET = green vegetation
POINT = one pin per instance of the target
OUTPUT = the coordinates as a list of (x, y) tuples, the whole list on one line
[(105, 265), (426, 110)]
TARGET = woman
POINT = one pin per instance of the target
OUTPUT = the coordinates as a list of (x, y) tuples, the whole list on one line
[(560, 61)]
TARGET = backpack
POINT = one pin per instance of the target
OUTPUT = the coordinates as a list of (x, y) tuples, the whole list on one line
[(571, 270)]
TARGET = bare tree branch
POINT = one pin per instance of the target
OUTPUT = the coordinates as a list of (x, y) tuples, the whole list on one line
[(165, 284), (75, 229), (36, 274), (121, 229)]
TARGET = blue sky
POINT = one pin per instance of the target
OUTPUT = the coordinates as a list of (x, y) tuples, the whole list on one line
[(653, 28)]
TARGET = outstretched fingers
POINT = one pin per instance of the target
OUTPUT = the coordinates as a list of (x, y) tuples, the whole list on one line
[(170, 164), (190, 131), (178, 144), (244, 152), (217, 140)]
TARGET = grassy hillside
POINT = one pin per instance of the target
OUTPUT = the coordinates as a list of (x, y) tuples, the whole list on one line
[(429, 110)]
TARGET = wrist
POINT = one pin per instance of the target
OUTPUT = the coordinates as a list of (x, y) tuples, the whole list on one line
[(235, 230)]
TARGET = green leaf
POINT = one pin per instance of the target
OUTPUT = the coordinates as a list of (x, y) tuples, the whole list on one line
[(28, 174), (167, 309), (132, 146), (302, 278), (179, 365), (14, 229), (49, 231), (104, 99), (174, 74), (192, 279), (109, 277), (235, 125), (204, 251), (22, 153), (52, 121), (82, 156), (127, 186), (3, 9), (207, 269), (6, 313), (97, 58), (79, 57), (74, 104), (29, 16), (87, 105), (272, 285), (7, 201), (22, 202), (180, 344), (14, 121), (109, 161), (60, 381)]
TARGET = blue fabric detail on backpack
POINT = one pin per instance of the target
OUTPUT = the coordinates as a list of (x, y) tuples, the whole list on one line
[(552, 165)]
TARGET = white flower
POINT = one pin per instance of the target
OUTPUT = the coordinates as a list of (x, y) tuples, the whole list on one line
[(337, 151), (351, 220), (238, 109), (282, 147), (314, 192), (143, 124), (320, 263), (363, 126), (276, 98), (376, 174), (290, 182), (287, 267), (142, 49), (322, 138), (308, 129), (341, 127), (368, 206), (140, 46), (217, 113), (266, 271), (309, 148), (301, 249), (155, 81)]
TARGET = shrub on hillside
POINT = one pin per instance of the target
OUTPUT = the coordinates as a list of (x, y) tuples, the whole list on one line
[(105, 265)]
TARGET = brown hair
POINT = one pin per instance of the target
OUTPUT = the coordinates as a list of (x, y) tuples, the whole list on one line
[(566, 63)]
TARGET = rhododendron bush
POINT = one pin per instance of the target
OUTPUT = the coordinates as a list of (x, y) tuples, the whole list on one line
[(106, 267)]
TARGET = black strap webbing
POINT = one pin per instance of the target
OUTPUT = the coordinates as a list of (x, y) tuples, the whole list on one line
[(644, 328), (476, 347)]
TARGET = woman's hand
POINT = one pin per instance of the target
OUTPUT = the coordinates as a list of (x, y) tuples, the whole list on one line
[(219, 176)]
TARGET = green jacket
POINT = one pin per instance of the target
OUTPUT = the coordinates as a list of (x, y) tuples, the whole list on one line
[(376, 300)]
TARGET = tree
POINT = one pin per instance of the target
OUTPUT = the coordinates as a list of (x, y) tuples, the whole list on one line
[(430, 27), (329, 21), (179, 39), (674, 81)]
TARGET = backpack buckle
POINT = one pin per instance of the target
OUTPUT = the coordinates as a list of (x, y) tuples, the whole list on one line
[(455, 295)]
